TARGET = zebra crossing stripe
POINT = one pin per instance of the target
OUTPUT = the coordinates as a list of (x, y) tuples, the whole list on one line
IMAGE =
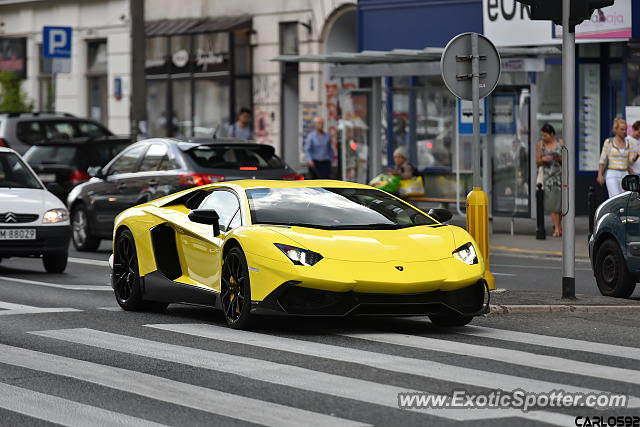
[(9, 309), (393, 363), (263, 370), (553, 342), (57, 285), (12, 306), (517, 357), (170, 391), (62, 411)]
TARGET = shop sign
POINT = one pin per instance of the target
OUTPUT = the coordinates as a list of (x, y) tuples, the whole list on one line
[(508, 23), (206, 59), (180, 58), (613, 22), (13, 55)]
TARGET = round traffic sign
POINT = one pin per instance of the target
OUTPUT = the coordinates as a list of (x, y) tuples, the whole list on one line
[(455, 66)]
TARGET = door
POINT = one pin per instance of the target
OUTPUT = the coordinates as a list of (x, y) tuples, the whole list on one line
[(119, 189), (511, 151), (155, 174), (201, 252), (632, 228)]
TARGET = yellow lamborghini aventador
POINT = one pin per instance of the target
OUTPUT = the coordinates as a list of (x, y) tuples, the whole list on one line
[(306, 248)]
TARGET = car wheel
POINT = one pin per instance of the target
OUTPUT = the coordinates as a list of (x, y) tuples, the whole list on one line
[(82, 238), (55, 262), (450, 320), (612, 276), (235, 292)]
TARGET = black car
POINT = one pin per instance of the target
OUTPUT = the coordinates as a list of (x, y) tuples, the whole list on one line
[(157, 167), (66, 162)]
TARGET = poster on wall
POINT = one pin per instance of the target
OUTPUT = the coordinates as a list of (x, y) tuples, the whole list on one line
[(589, 118), (13, 55)]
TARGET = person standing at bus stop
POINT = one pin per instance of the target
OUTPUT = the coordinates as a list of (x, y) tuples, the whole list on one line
[(549, 158), (615, 159), (318, 150)]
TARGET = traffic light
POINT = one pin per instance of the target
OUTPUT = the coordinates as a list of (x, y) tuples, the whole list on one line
[(551, 10)]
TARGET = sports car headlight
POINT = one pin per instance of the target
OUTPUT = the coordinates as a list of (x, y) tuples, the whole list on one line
[(466, 253), (299, 256), (53, 216)]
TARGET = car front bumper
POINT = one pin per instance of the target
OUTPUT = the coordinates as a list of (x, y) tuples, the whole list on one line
[(51, 238), (290, 299)]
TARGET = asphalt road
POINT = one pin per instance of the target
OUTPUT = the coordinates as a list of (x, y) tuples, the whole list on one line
[(69, 355)]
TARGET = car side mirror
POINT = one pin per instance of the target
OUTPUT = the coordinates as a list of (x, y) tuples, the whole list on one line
[(440, 215), (206, 216), (96, 172), (631, 183)]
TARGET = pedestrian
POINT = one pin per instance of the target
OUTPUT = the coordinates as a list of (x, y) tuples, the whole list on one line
[(242, 128), (318, 150), (615, 158), (634, 144), (549, 159), (402, 167)]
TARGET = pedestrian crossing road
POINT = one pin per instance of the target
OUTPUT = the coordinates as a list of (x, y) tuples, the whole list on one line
[(202, 373)]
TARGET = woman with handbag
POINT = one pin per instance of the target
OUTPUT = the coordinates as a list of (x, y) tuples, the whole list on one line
[(549, 162), (615, 158)]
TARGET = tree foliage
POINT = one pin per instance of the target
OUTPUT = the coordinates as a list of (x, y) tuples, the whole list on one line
[(12, 98)]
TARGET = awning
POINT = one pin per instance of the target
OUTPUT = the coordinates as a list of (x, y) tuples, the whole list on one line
[(407, 62), (182, 26), (407, 55)]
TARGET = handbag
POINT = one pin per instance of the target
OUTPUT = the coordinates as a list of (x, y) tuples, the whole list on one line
[(412, 187), (540, 177)]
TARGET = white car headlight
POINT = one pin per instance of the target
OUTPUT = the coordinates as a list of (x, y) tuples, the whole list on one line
[(466, 253), (299, 256), (53, 216)]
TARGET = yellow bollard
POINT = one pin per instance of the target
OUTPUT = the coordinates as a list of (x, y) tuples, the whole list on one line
[(478, 227)]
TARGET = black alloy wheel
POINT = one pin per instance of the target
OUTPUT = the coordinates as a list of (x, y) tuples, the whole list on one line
[(235, 292), (125, 277), (612, 276)]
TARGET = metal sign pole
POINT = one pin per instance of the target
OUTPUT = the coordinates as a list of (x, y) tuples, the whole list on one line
[(568, 178), (54, 76), (475, 93)]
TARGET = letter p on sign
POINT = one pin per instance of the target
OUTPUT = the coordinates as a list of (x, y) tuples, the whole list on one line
[(56, 42)]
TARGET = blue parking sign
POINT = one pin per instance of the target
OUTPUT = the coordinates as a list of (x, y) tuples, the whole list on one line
[(56, 42)]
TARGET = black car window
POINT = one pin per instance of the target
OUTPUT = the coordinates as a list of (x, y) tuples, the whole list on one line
[(127, 161), (333, 208), (30, 132), (52, 154), (225, 204), (91, 129), (15, 174), (62, 130), (155, 159), (243, 158)]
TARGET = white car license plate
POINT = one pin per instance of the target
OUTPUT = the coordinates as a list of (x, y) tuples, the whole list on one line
[(47, 177), (17, 234)]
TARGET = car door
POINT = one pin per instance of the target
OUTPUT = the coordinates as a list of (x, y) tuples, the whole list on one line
[(155, 172), (119, 189), (201, 252)]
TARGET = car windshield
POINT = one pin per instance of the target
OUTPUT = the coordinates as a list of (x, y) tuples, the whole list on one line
[(332, 208), (15, 174), (51, 154), (241, 158)]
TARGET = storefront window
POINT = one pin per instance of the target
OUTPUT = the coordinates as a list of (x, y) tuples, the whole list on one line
[(211, 107), (242, 52), (589, 117), (212, 52), (550, 98), (155, 54), (435, 130), (633, 83), (181, 91), (156, 108)]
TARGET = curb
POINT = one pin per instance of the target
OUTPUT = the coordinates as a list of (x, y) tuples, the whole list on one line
[(531, 251), (498, 310)]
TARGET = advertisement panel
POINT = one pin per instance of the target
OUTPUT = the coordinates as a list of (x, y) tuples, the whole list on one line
[(13, 55)]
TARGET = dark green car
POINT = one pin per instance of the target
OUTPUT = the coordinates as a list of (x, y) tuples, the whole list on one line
[(614, 246)]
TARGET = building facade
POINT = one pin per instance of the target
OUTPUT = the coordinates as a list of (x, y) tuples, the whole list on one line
[(97, 83)]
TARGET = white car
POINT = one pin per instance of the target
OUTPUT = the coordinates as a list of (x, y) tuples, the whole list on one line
[(33, 222)]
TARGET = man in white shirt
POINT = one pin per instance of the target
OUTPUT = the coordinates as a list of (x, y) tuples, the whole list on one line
[(634, 143)]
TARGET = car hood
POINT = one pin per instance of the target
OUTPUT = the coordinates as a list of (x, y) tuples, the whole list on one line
[(28, 200), (420, 243)]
